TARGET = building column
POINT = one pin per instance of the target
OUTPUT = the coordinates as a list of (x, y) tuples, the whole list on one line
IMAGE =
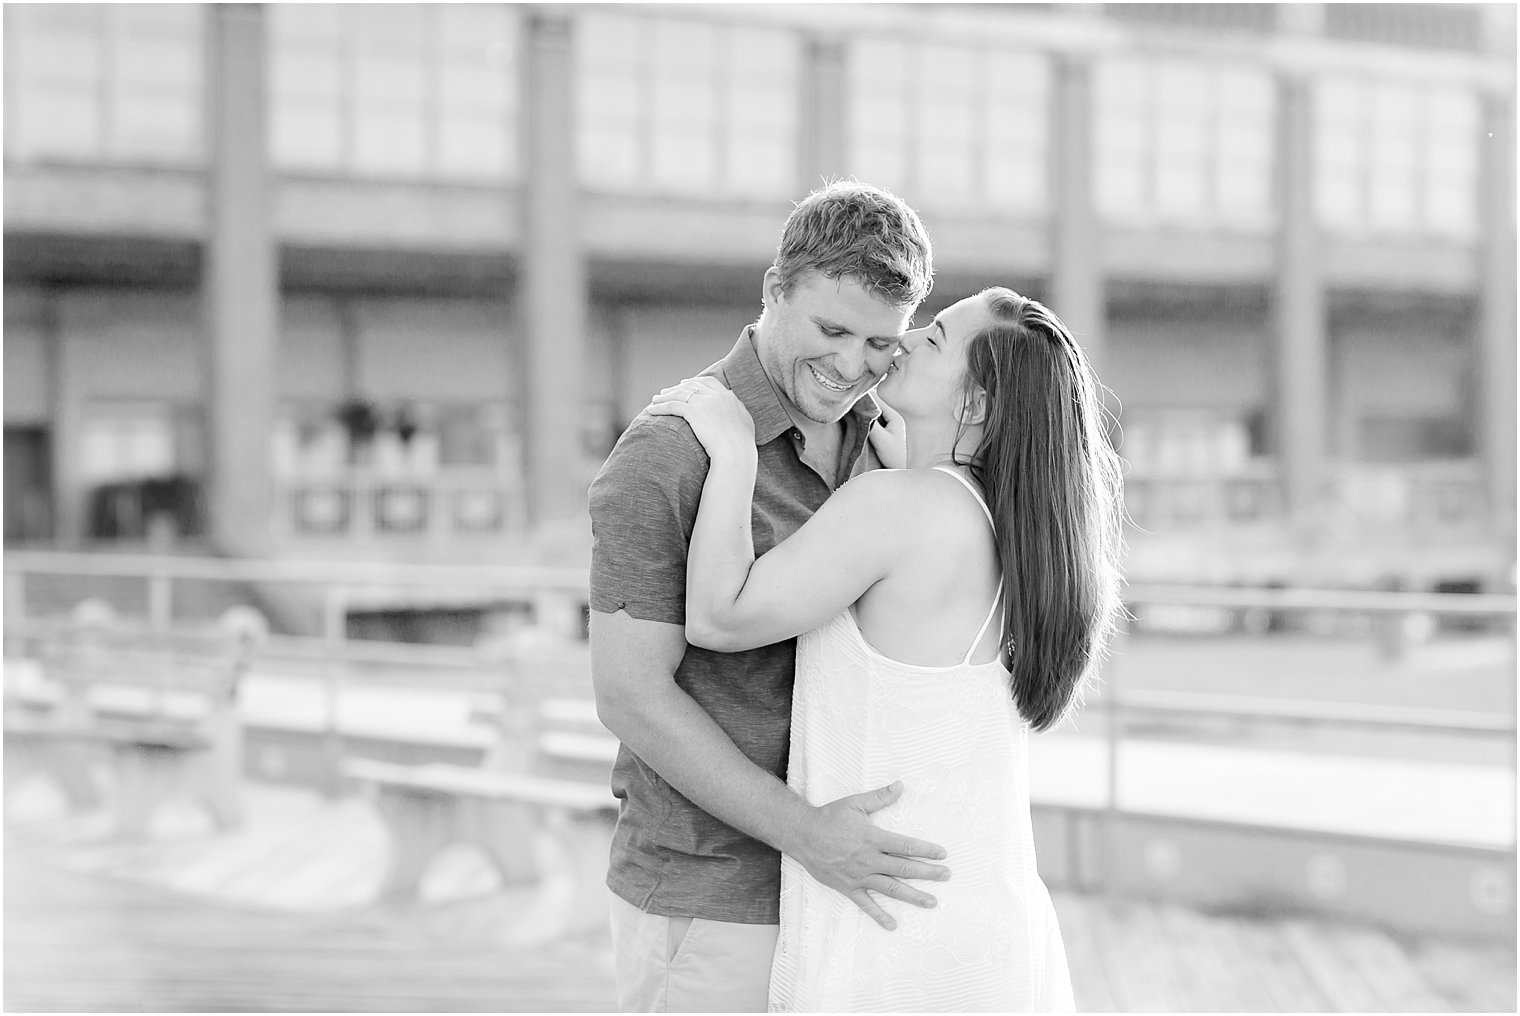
[(1496, 294), (66, 399), (1077, 291), (1299, 410), (823, 114), (240, 282), (554, 287)]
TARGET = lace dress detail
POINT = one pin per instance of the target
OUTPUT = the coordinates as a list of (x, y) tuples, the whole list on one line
[(859, 721)]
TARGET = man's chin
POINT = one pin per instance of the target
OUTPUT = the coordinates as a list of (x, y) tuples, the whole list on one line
[(832, 410)]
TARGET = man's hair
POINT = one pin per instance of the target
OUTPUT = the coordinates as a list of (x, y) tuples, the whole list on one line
[(848, 229)]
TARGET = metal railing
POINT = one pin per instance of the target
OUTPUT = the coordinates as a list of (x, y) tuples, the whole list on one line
[(1422, 497), (1121, 705), (557, 597)]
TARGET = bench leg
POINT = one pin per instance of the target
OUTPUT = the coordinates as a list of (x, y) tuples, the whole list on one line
[(583, 845), (70, 765), (218, 781), (422, 823), (505, 830), (146, 776)]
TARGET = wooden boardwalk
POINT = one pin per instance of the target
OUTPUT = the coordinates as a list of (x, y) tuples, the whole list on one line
[(79, 942), (278, 917)]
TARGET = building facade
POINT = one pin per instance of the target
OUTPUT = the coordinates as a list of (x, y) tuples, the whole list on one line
[(388, 280)]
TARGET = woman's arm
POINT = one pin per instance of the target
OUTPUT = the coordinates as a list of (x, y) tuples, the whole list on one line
[(734, 601), (805, 580)]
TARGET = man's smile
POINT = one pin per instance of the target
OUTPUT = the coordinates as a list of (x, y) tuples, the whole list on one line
[(829, 383)]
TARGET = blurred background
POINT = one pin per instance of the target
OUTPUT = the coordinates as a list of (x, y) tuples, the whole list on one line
[(326, 315)]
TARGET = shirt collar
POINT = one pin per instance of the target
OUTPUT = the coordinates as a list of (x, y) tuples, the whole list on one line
[(746, 377)]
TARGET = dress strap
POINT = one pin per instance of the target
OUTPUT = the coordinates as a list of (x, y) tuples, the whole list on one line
[(996, 599)]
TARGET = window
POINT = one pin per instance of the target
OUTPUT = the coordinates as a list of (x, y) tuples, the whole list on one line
[(1180, 142), (1394, 176), (134, 441), (306, 86), (1183, 110), (114, 83), (477, 107), (684, 106), (389, 62), (1382, 438), (394, 90), (1190, 442), (955, 126), (1396, 158), (760, 126), (609, 112), (1452, 131), (1016, 131), (1339, 153), (881, 112)]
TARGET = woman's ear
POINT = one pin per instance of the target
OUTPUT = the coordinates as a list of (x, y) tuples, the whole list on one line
[(973, 407)]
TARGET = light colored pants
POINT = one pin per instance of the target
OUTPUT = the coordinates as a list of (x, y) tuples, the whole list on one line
[(687, 964)]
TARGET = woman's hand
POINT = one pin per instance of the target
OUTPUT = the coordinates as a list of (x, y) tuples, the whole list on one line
[(889, 438), (715, 414)]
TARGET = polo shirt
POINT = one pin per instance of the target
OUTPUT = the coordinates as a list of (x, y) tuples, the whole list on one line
[(670, 857)]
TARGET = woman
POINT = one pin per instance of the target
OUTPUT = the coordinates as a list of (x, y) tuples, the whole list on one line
[(944, 609)]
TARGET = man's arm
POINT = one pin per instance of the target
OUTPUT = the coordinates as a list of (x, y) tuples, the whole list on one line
[(633, 665)]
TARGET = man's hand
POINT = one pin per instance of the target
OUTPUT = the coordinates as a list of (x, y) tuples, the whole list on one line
[(842, 848)]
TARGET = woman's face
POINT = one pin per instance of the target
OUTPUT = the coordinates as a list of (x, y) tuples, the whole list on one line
[(926, 376)]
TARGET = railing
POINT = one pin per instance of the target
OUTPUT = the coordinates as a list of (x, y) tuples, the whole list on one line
[(558, 595), (1409, 498), (445, 508), (556, 598), (1249, 495), (1121, 705)]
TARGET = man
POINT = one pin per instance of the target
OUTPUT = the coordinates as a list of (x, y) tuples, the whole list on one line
[(695, 866)]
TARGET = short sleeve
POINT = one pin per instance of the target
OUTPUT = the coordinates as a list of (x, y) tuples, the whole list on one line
[(643, 506)]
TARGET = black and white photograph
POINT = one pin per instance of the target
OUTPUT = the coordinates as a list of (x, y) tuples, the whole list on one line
[(759, 507)]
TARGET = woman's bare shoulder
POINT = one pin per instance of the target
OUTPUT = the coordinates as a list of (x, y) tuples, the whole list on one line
[(914, 499)]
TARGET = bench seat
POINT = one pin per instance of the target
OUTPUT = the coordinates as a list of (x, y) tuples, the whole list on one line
[(533, 828)]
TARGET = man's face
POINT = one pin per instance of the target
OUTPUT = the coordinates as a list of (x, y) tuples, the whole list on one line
[(827, 342)]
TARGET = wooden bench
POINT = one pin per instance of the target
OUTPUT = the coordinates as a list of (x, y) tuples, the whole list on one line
[(156, 708), (534, 828), (547, 773), (557, 735)]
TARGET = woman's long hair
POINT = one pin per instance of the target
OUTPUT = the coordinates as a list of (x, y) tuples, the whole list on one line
[(1053, 483)]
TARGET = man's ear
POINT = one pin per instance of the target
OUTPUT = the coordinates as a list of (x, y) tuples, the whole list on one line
[(771, 288), (973, 408)]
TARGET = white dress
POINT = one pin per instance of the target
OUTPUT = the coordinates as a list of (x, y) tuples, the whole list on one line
[(955, 739)]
